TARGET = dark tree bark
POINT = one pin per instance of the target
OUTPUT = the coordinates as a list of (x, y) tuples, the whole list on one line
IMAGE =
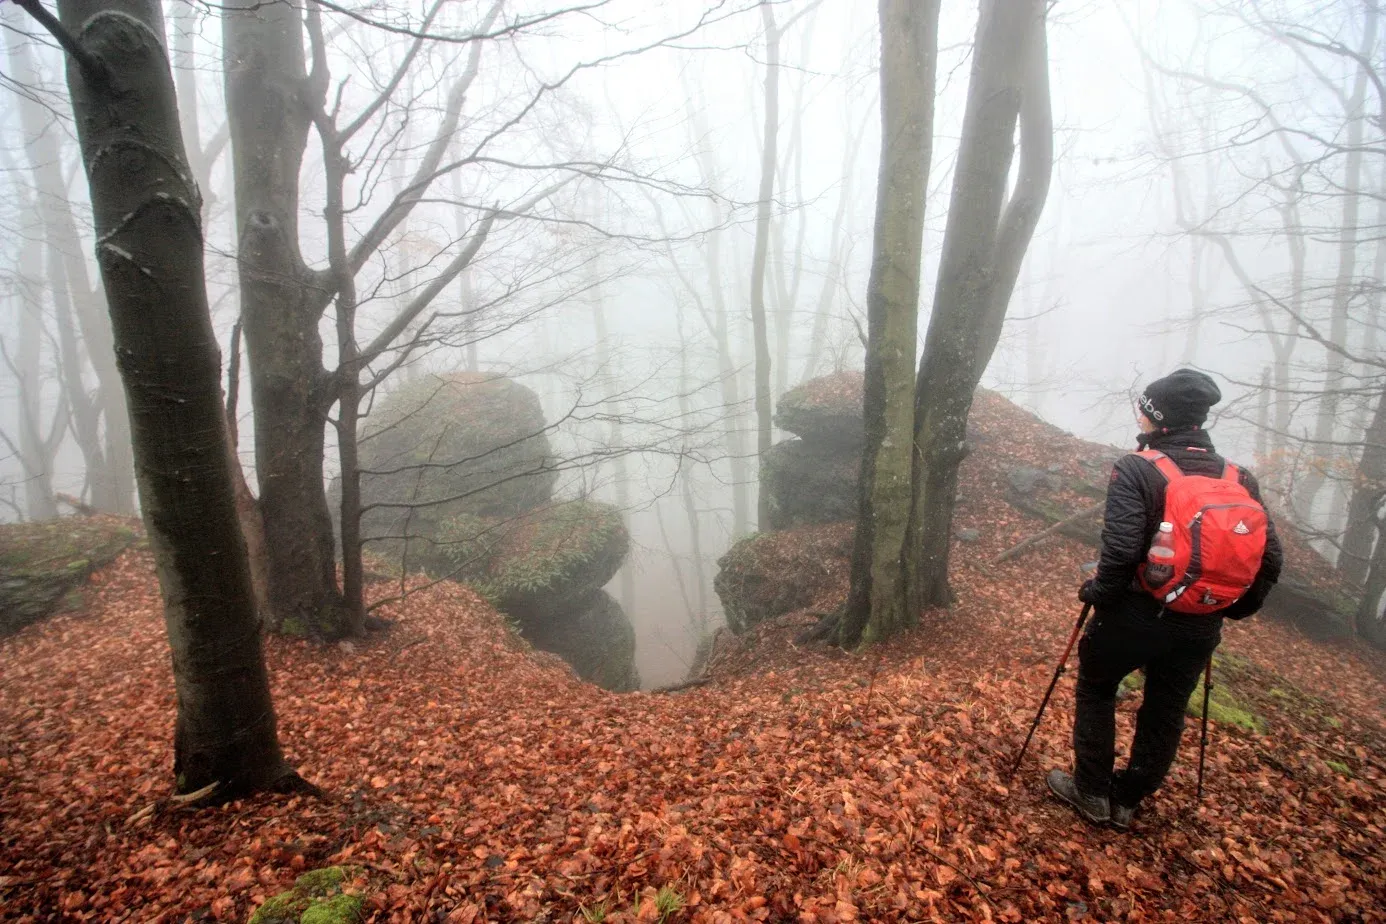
[(876, 603), (984, 243), (148, 225), (270, 98)]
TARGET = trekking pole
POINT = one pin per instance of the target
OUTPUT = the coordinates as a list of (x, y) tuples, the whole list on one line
[(1203, 737), (1058, 671)]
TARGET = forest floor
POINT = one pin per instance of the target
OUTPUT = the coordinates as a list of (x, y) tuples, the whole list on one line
[(469, 779)]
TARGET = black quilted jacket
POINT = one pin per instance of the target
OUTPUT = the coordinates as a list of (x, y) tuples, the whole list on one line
[(1135, 501)]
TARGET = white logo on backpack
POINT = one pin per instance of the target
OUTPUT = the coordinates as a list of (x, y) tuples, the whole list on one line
[(1240, 529)]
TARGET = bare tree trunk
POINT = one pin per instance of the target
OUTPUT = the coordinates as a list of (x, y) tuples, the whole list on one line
[(1368, 485), (769, 154), (877, 604), (148, 223), (110, 467), (690, 508), (348, 382), (983, 246), (1368, 621), (832, 279), (728, 375), (247, 507), (787, 282), (610, 385), (1344, 285), (268, 99), (36, 454), (84, 407)]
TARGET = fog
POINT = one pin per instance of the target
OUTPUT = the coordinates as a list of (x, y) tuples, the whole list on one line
[(1218, 175)]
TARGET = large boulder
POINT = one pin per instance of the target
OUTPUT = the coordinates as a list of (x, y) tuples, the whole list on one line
[(770, 574), (43, 565), (466, 444), (537, 568), (595, 637), (826, 410), (810, 482)]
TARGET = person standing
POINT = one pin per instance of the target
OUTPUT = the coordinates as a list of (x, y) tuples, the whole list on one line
[(1164, 619)]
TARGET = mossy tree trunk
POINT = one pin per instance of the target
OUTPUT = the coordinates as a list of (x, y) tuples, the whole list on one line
[(877, 601), (984, 244), (146, 210)]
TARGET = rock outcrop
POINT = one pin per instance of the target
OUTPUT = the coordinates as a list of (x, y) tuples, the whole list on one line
[(773, 573), (468, 459), (813, 479), (43, 564)]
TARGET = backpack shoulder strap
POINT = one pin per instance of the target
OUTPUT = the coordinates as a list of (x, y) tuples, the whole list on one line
[(1163, 463), (1230, 472)]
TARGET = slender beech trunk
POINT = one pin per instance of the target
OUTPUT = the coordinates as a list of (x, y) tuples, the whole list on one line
[(348, 382), (690, 507), (108, 459), (36, 454), (758, 261), (247, 507), (1345, 285), (148, 225), (1360, 529), (983, 246), (787, 281), (832, 279), (1369, 483), (728, 375), (610, 384), (876, 602)]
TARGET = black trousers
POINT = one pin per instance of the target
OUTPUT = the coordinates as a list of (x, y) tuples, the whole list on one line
[(1172, 649)]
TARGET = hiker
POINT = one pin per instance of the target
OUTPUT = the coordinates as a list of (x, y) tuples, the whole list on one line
[(1133, 629)]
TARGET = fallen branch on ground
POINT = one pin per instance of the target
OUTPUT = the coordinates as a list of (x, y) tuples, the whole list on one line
[(1020, 547)]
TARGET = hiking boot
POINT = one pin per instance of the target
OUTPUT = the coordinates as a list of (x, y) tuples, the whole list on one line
[(1122, 816), (1095, 809)]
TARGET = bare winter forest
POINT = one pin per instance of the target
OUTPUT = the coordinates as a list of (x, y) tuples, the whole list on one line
[(532, 460)]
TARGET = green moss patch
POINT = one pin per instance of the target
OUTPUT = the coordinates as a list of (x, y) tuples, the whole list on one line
[(318, 897), (1226, 705), (42, 565)]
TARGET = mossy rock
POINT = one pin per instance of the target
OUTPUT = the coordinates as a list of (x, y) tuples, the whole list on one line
[(316, 898), (466, 444), (537, 566), (770, 574), (595, 637), (810, 483), (44, 564), (826, 410)]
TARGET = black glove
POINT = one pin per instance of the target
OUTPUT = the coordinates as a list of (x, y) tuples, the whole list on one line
[(1088, 592)]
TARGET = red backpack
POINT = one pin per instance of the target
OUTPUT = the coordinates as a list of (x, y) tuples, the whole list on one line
[(1219, 537)]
